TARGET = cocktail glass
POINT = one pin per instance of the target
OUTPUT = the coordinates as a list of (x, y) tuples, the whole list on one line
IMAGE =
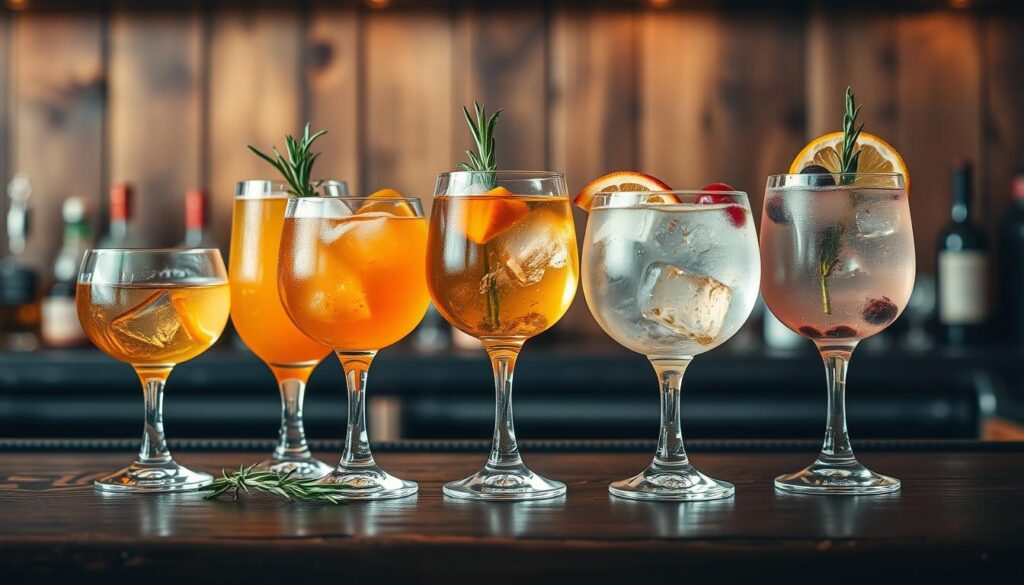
[(352, 277), (838, 267), (502, 267), (261, 322), (670, 277), (153, 309)]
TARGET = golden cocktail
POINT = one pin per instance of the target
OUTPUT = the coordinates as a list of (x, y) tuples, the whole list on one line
[(502, 266), (262, 323), (153, 309), (352, 276)]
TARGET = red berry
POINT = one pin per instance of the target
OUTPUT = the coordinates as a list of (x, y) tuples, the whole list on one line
[(841, 332), (737, 215), (777, 211), (880, 311), (812, 332)]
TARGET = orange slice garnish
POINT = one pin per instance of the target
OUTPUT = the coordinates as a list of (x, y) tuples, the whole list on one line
[(877, 156), (624, 181), (484, 218), (378, 202)]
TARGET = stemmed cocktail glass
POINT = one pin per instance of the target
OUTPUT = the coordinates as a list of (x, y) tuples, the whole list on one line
[(502, 267), (261, 322), (153, 309), (838, 258), (669, 276), (352, 277)]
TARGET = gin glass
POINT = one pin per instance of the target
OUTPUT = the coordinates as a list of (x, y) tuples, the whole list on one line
[(261, 322), (502, 268), (669, 276), (153, 309), (838, 258), (352, 277)]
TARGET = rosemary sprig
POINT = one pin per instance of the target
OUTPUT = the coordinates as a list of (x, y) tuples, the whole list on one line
[(832, 236), (247, 480), (297, 168), (483, 161)]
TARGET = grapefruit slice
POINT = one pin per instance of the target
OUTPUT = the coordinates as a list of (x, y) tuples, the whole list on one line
[(627, 181), (383, 201)]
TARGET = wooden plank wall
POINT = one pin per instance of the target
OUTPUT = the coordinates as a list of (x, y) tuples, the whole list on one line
[(168, 99)]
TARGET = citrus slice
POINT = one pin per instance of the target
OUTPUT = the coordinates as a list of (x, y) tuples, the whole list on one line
[(483, 218), (384, 201), (877, 156), (624, 181)]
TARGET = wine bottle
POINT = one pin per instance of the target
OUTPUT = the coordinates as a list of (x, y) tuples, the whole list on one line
[(963, 268)]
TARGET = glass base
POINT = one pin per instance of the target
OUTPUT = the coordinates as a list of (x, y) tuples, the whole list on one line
[(847, 478), (672, 483), (153, 477), (370, 483), (301, 467), (509, 484)]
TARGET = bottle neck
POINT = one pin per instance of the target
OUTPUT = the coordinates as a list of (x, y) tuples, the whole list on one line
[(961, 209)]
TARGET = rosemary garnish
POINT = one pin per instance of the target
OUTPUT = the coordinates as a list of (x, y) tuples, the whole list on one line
[(482, 161), (247, 480), (832, 237), (297, 168)]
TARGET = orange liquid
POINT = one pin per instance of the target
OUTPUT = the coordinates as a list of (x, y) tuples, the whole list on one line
[(256, 308), (511, 278), (357, 283), (157, 325)]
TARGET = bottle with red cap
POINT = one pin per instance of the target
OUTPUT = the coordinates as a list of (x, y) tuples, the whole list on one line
[(120, 232), (1011, 270), (197, 220)]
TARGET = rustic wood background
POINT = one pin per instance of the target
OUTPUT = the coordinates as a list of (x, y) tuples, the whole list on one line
[(168, 99)]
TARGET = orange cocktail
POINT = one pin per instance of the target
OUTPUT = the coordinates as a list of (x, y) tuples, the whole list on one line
[(353, 276), (261, 321)]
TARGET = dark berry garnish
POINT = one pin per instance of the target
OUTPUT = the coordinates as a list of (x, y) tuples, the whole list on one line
[(841, 332), (737, 215), (822, 176), (812, 332), (880, 311), (777, 211)]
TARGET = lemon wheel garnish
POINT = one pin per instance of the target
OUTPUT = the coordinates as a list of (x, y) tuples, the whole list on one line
[(877, 156)]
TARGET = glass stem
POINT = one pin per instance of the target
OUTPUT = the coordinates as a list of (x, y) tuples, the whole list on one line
[(670, 439), (504, 449), (154, 444), (291, 442), (836, 449), (357, 443)]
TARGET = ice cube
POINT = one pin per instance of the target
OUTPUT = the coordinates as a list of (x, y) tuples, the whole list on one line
[(875, 222), (527, 257), (366, 225), (151, 324), (692, 305), (677, 237), (849, 264), (342, 299)]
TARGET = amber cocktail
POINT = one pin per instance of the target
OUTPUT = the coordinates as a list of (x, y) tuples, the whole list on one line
[(352, 276), (153, 309)]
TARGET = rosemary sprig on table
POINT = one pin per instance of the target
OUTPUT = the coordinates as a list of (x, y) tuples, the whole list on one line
[(483, 161), (832, 237), (248, 480), (298, 167)]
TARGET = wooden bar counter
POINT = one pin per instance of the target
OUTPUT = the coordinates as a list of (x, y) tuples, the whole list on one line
[(960, 515)]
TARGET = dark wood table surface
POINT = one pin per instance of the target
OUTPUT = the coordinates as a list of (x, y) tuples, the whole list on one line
[(960, 514)]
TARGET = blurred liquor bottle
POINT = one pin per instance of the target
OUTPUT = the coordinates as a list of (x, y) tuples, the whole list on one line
[(963, 268), (60, 325), (197, 220), (1011, 269), (120, 231), (19, 282)]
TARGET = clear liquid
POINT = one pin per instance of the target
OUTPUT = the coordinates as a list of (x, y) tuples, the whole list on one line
[(628, 249), (870, 281)]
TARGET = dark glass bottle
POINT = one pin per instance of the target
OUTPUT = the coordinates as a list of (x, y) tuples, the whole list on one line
[(963, 269)]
